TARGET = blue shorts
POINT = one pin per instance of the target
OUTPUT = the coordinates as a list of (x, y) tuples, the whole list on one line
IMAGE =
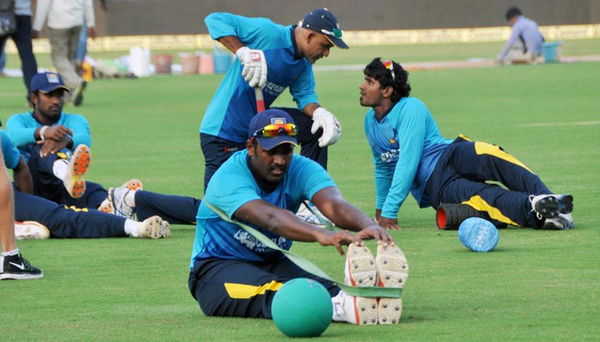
[(225, 287), (461, 175)]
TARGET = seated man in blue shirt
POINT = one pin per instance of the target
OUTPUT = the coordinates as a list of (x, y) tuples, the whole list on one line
[(410, 155), (41, 218), (234, 274), (525, 42), (56, 146)]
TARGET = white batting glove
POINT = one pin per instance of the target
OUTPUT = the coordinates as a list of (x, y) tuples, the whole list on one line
[(332, 130), (255, 66)]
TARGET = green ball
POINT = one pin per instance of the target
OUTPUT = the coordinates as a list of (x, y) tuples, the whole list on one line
[(302, 308)]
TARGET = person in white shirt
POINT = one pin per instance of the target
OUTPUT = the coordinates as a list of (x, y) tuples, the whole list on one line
[(65, 19), (22, 39)]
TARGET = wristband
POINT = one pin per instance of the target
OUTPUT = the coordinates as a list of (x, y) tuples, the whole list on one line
[(41, 132)]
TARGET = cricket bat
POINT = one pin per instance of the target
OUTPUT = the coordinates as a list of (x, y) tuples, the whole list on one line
[(260, 101)]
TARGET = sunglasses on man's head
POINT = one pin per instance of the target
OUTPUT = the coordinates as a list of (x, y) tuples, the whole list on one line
[(389, 64), (274, 130), (335, 32)]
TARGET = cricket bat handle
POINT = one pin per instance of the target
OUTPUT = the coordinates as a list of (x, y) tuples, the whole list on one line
[(260, 101)]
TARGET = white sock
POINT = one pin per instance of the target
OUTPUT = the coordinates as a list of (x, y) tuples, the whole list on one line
[(354, 310), (132, 228), (60, 168), (10, 253), (338, 308)]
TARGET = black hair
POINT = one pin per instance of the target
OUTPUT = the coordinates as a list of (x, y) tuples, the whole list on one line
[(512, 12), (399, 82), (37, 94)]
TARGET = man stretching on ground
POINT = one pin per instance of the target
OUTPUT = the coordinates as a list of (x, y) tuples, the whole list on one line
[(234, 274)]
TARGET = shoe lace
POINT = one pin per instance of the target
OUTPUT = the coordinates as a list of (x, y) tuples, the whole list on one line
[(120, 207)]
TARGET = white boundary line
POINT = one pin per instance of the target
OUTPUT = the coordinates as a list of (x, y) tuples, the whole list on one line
[(558, 124)]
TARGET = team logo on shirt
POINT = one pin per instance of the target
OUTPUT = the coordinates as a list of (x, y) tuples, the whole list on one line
[(392, 141), (254, 245), (273, 89), (390, 156)]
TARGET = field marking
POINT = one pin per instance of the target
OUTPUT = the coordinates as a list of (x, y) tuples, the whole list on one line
[(558, 124)]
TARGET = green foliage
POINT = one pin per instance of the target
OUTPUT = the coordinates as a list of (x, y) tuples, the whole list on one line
[(536, 285)]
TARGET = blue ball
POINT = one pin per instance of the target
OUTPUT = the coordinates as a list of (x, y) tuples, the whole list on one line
[(478, 235), (302, 308)]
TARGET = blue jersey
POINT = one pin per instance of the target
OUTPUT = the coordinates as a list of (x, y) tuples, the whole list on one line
[(234, 103), (406, 145), (230, 188), (10, 152), (20, 128)]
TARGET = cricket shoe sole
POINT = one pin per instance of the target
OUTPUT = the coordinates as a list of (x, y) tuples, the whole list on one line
[(361, 272), (133, 184), (550, 206), (78, 166), (561, 222), (155, 228), (392, 271)]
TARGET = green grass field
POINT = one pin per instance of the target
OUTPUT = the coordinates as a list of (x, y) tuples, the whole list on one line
[(536, 285)]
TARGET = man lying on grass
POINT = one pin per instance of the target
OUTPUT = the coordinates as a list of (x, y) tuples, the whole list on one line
[(410, 155)]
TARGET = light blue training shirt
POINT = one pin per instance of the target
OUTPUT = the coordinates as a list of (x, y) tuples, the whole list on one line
[(232, 186), (406, 145), (10, 152), (20, 128), (234, 102)]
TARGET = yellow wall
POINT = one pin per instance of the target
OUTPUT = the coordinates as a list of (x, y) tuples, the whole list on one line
[(356, 38)]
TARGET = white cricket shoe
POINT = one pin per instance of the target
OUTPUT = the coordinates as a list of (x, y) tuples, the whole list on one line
[(116, 198), (31, 230), (392, 271), (306, 215), (561, 222), (551, 205), (107, 206), (155, 228), (359, 271)]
